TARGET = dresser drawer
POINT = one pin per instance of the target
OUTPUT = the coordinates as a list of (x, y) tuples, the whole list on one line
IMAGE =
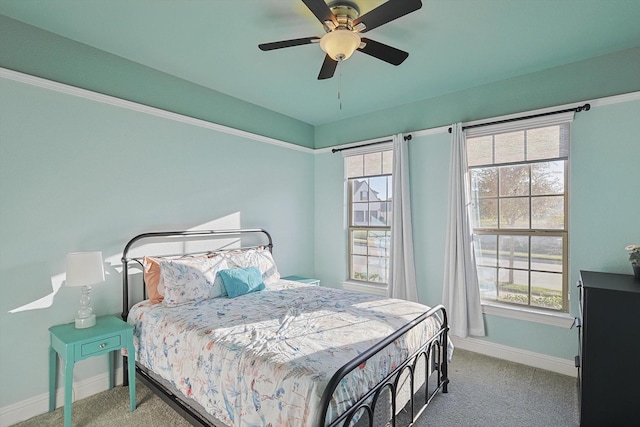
[(104, 344)]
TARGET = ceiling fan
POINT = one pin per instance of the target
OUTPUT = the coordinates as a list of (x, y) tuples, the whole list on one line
[(343, 25)]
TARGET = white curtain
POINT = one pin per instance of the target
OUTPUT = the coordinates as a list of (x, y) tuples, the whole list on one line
[(460, 294), (402, 277)]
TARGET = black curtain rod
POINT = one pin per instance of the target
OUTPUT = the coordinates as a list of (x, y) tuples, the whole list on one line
[(335, 150), (585, 107)]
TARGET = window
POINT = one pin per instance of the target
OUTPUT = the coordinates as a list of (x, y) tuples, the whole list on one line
[(369, 186), (518, 182)]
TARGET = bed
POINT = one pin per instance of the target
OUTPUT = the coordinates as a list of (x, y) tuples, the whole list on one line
[(226, 342)]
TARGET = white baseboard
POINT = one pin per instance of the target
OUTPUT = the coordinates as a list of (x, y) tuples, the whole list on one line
[(23, 410), (529, 358)]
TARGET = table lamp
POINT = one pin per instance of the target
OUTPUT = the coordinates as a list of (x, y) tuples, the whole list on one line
[(85, 269)]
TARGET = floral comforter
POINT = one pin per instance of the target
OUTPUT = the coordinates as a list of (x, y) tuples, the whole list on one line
[(264, 358)]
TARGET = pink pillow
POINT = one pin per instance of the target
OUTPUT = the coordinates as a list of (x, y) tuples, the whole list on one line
[(152, 279)]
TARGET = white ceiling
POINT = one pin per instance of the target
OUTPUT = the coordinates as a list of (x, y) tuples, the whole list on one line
[(452, 45)]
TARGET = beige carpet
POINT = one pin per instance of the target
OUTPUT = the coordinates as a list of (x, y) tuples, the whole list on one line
[(484, 391)]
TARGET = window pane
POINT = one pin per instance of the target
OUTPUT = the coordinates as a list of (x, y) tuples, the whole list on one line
[(359, 242), (543, 143), (377, 243), (509, 147), (513, 286), (373, 164), (360, 190), (355, 166), (486, 250), (359, 267), (546, 253), (484, 182), (546, 290), (547, 212), (386, 212), (514, 213), (360, 214), (514, 180), (480, 151), (387, 162), (485, 213), (513, 252), (487, 281), (378, 269), (547, 178), (378, 187)]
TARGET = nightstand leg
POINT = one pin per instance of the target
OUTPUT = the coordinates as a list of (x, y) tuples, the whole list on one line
[(131, 361), (53, 373), (112, 359), (68, 389)]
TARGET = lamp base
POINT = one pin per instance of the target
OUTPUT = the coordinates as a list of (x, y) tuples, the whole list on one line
[(86, 322)]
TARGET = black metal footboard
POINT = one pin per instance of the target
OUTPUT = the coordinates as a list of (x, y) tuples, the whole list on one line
[(433, 350)]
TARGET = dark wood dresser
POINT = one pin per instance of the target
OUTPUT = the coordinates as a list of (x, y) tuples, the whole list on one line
[(609, 353)]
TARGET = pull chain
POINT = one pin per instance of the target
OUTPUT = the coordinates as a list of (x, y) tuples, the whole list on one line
[(340, 91)]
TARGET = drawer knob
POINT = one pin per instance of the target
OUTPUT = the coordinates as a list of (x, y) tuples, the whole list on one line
[(103, 345)]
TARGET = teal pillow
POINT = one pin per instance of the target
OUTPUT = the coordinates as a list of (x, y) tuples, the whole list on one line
[(240, 281)]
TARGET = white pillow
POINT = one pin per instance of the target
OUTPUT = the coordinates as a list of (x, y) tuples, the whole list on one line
[(192, 279), (257, 257)]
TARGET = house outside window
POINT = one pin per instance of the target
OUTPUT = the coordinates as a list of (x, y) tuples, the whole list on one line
[(369, 186), (519, 196)]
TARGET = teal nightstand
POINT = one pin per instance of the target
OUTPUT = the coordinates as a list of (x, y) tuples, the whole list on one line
[(308, 281), (107, 336)]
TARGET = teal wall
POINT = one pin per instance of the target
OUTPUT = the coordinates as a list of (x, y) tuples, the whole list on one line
[(604, 172), (40, 53), (78, 175), (605, 175)]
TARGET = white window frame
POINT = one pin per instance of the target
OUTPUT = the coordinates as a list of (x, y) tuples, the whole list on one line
[(349, 283), (526, 312)]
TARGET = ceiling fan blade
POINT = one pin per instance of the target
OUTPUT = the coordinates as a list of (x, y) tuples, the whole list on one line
[(328, 68), (387, 12), (320, 9), (382, 51), (287, 43)]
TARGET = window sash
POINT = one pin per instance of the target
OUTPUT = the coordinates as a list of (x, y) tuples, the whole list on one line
[(527, 145), (485, 264)]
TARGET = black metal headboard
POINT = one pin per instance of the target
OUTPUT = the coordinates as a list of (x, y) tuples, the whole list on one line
[(212, 236)]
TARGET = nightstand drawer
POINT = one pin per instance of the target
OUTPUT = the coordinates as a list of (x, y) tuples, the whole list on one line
[(105, 344)]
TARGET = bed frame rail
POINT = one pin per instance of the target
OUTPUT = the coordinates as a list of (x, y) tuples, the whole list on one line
[(435, 350)]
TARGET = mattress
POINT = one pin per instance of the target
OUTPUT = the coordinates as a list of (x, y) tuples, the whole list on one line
[(265, 357)]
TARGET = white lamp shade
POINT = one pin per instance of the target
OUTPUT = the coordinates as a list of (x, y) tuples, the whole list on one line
[(340, 44), (84, 268)]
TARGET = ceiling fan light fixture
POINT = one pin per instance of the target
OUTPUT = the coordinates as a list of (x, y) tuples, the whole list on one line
[(340, 44)]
